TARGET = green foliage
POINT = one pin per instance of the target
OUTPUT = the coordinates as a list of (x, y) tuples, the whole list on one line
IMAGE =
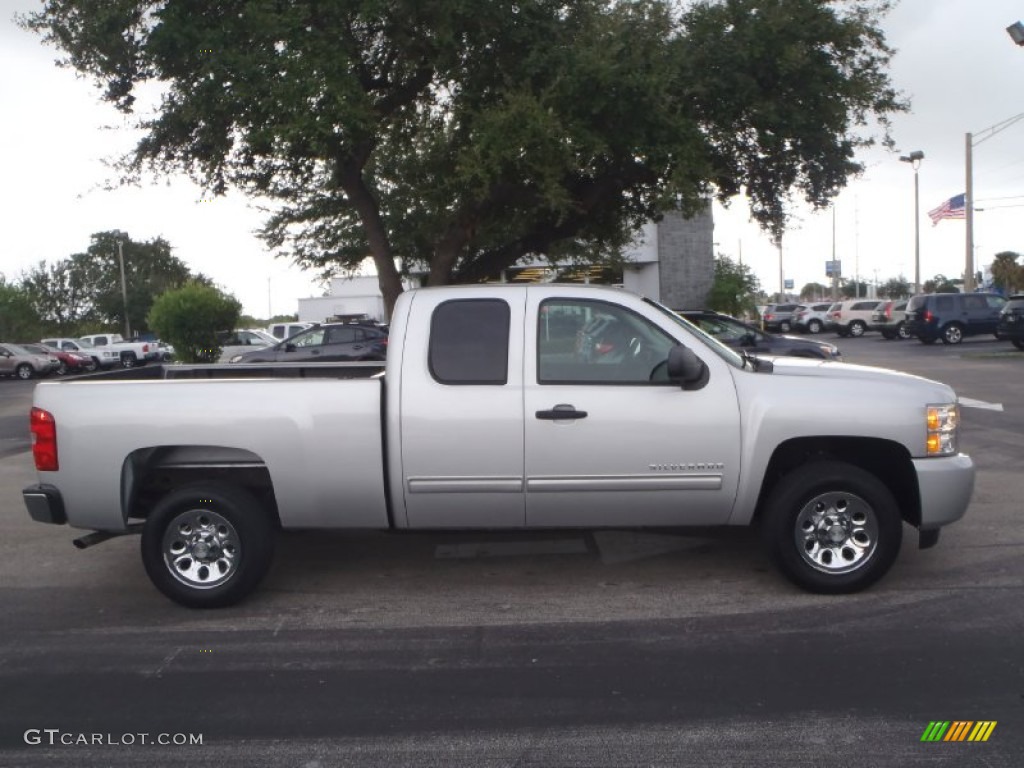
[(895, 288), (82, 293), (734, 289), (189, 317), (853, 289), (248, 321), (1007, 274), (458, 137), (18, 319), (814, 291), (940, 284)]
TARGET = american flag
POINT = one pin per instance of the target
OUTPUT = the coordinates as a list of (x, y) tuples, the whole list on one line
[(954, 208)]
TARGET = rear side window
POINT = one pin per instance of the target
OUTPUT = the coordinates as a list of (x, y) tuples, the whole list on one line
[(944, 303), (917, 302), (864, 305), (469, 342)]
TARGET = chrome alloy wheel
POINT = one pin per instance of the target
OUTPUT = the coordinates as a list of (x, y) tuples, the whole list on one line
[(201, 548), (836, 532)]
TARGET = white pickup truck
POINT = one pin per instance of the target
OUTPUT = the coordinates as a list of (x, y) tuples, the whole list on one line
[(129, 353), (505, 407)]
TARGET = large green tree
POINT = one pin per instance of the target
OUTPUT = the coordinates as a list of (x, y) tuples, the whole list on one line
[(18, 318), (895, 288), (1007, 274), (83, 291), (457, 136)]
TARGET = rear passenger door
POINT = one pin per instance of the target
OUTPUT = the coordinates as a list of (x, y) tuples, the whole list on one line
[(462, 413)]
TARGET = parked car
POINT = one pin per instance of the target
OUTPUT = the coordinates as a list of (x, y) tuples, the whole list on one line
[(287, 330), (811, 318), (234, 343), (102, 357), (67, 362), (331, 342), (19, 362), (779, 317), (890, 319), (952, 316), (851, 317), (745, 337), (1011, 321)]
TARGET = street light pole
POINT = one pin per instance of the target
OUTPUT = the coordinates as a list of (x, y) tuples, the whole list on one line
[(915, 158)]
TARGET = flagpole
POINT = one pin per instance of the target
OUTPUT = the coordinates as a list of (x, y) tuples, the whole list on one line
[(969, 216)]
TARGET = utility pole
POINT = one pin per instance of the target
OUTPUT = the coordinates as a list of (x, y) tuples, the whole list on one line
[(124, 290)]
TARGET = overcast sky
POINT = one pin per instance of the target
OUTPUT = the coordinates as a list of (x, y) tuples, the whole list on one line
[(954, 61)]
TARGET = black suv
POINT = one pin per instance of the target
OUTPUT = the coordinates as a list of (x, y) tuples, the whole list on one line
[(1011, 321), (333, 342), (952, 316)]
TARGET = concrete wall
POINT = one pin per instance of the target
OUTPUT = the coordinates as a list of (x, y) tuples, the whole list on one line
[(686, 259)]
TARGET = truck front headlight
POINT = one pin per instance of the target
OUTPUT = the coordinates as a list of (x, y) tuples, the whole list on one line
[(942, 422)]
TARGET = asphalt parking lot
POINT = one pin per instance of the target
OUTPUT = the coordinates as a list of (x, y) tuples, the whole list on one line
[(549, 649)]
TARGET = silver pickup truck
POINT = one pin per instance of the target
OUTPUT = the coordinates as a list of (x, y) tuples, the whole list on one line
[(505, 407)]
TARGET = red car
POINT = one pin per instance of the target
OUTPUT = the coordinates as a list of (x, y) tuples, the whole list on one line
[(68, 362)]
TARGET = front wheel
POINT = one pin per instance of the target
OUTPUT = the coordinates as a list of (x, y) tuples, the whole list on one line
[(785, 327), (832, 527), (814, 326), (128, 360), (902, 332), (207, 545), (24, 372), (857, 329)]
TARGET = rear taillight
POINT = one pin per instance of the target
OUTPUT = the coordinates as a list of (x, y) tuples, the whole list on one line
[(888, 311), (44, 440), (928, 316), (145, 348)]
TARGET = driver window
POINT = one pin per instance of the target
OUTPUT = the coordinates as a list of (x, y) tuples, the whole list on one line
[(582, 341), (312, 338)]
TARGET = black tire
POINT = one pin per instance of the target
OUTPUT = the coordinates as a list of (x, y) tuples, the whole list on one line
[(953, 333), (207, 545), (832, 498), (1019, 344), (129, 360), (902, 332), (814, 326), (24, 372), (785, 327), (857, 329), (62, 368)]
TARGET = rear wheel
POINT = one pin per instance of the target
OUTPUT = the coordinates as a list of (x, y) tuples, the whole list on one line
[(785, 327), (902, 332), (128, 360), (952, 334), (857, 329), (207, 545), (814, 326), (832, 527), (62, 368)]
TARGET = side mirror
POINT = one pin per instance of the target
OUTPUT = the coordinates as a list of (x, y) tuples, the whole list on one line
[(685, 368)]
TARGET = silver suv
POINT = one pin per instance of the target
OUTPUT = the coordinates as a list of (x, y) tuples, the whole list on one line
[(811, 317), (16, 361), (852, 317)]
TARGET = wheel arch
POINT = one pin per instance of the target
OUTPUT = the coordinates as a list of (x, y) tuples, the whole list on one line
[(889, 461), (148, 474)]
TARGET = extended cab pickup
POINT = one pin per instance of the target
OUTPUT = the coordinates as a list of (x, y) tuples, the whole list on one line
[(129, 353), (506, 407)]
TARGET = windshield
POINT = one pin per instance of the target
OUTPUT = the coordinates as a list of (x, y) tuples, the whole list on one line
[(731, 357)]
